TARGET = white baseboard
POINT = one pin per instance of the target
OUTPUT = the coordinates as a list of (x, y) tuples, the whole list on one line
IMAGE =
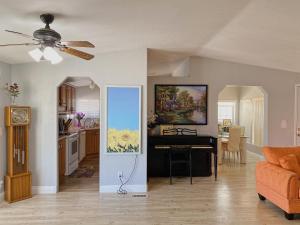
[(128, 188), (44, 189), (1, 196), (37, 190)]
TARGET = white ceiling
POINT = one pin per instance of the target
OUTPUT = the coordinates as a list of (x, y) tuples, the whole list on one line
[(259, 32)]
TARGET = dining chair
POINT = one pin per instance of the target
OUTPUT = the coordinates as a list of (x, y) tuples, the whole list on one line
[(242, 129), (232, 144)]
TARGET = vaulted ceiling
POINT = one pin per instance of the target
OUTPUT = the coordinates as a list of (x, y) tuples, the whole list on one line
[(258, 32)]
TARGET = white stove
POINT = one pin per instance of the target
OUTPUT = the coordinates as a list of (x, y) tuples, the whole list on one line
[(72, 153)]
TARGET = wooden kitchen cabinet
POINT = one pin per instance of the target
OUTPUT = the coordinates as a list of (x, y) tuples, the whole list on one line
[(62, 98), (66, 99), (69, 98), (73, 99), (92, 141), (62, 159)]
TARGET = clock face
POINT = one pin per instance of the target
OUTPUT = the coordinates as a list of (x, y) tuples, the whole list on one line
[(20, 116)]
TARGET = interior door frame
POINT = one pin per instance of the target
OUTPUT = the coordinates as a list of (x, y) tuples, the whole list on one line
[(295, 114), (58, 84)]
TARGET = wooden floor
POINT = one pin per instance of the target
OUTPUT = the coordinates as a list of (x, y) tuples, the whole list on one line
[(86, 184), (231, 200)]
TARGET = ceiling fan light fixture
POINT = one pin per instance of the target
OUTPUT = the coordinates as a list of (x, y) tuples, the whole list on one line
[(51, 55), (36, 54)]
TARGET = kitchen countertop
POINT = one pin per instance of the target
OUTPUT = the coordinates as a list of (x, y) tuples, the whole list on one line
[(92, 128), (60, 137)]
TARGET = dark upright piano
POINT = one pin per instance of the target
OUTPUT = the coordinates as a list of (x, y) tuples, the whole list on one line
[(202, 148)]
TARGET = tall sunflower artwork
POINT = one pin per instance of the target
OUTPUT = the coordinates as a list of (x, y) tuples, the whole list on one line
[(123, 119)]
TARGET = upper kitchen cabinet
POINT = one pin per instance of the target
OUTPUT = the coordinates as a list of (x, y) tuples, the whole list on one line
[(69, 99), (62, 98), (66, 99), (73, 101)]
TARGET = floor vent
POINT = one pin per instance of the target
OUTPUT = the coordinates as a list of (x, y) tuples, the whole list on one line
[(140, 196)]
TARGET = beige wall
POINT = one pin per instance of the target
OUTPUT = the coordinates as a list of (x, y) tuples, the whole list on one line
[(250, 92), (4, 101), (230, 94), (86, 93), (40, 82), (278, 84)]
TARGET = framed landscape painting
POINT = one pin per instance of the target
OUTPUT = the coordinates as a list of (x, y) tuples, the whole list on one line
[(181, 104), (123, 119)]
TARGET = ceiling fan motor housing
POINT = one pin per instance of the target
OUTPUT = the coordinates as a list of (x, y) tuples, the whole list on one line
[(47, 35)]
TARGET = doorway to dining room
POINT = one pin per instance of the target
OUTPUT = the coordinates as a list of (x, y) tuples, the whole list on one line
[(242, 122)]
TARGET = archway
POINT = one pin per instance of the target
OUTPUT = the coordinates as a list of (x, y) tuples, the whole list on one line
[(78, 134), (247, 107)]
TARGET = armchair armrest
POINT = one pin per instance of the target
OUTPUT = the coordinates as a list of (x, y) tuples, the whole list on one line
[(281, 181)]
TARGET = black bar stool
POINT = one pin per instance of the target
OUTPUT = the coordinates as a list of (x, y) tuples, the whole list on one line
[(180, 154)]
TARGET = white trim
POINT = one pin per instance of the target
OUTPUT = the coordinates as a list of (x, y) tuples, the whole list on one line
[(128, 188), (106, 119), (44, 189), (295, 114), (1, 196)]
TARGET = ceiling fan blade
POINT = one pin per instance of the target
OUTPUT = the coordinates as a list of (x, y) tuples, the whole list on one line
[(24, 44), (85, 44), (23, 35), (77, 53)]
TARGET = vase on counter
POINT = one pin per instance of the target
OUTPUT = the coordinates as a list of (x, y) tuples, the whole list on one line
[(79, 116), (79, 123)]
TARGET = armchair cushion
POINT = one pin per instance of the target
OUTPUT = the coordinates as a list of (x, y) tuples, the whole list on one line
[(276, 180), (290, 162), (273, 154)]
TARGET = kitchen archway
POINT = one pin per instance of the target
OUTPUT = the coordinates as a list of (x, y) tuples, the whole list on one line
[(78, 122)]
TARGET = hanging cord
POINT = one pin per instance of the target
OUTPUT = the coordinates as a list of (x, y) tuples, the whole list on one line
[(121, 190)]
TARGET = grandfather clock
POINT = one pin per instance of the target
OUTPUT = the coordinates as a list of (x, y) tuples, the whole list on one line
[(18, 178)]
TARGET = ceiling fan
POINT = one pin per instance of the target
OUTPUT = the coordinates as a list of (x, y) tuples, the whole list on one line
[(47, 40)]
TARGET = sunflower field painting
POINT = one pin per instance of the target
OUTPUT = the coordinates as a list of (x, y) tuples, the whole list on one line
[(123, 119)]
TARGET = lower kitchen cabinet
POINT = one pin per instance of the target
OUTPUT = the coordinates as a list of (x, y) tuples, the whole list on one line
[(62, 159), (92, 141)]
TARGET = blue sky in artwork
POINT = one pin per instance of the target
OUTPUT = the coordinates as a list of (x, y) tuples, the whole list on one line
[(123, 108)]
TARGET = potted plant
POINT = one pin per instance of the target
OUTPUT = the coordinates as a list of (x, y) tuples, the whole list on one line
[(152, 123), (13, 90)]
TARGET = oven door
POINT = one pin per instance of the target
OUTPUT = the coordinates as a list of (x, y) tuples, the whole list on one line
[(73, 149)]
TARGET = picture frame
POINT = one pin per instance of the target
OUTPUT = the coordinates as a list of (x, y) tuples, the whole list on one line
[(123, 119), (181, 104)]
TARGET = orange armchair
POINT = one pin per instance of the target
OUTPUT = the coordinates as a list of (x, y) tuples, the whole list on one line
[(279, 185)]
